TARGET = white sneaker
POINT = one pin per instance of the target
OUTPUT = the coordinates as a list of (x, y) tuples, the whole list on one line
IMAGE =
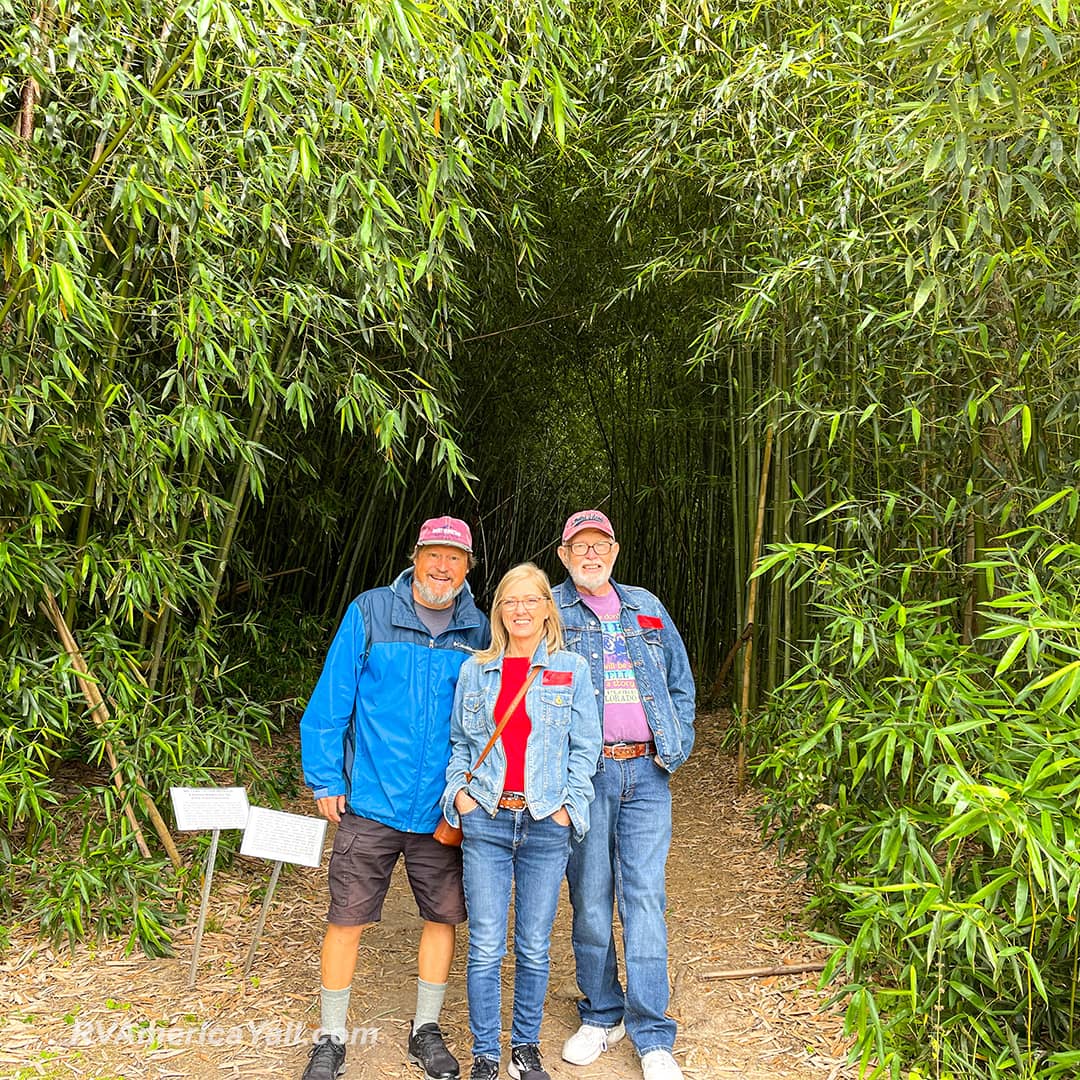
[(590, 1041), (660, 1065)]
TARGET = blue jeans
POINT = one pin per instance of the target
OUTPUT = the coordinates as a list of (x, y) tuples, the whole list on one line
[(622, 858), (495, 851)]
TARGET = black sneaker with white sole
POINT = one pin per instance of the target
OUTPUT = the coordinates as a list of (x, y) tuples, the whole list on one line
[(525, 1063), (326, 1060), (427, 1049)]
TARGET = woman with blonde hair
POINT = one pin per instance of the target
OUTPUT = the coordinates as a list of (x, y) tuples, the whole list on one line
[(531, 703)]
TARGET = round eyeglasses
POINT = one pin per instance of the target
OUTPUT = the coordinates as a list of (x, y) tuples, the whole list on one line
[(601, 547)]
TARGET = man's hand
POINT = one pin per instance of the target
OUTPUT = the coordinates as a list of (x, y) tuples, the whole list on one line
[(561, 817), (331, 807), (464, 802)]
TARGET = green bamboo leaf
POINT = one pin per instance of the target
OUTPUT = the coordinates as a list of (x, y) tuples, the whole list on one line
[(834, 427), (829, 510), (558, 108), (1049, 501), (1011, 653), (293, 17), (66, 284), (1022, 41), (933, 159), (926, 287)]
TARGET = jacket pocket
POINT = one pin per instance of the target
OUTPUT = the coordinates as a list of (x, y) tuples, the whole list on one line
[(555, 702), (473, 713)]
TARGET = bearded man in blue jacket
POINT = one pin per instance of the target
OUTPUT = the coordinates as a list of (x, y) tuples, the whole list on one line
[(375, 740)]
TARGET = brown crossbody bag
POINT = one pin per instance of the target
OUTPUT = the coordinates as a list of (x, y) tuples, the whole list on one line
[(449, 834)]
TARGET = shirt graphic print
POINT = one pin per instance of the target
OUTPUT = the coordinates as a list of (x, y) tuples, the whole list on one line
[(624, 716)]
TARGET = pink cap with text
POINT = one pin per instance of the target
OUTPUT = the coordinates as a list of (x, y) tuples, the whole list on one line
[(586, 519), (445, 530)]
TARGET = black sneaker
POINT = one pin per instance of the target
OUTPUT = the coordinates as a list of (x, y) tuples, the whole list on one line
[(525, 1063), (427, 1049), (484, 1068), (326, 1060)]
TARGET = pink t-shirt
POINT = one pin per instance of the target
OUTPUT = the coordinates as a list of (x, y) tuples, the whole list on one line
[(624, 716)]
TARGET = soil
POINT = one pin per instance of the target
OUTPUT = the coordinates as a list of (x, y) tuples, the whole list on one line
[(97, 1013)]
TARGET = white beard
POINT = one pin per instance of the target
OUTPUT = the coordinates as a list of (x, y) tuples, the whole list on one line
[(590, 582), (436, 600)]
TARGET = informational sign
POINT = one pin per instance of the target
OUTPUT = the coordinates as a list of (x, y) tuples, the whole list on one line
[(210, 807), (292, 838)]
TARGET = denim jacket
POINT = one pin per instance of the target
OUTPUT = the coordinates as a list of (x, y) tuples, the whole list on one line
[(560, 753), (656, 650)]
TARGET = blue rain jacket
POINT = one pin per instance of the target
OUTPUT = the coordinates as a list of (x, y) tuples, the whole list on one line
[(377, 726)]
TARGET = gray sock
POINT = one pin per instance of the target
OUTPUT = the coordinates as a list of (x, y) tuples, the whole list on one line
[(429, 1001), (335, 1011)]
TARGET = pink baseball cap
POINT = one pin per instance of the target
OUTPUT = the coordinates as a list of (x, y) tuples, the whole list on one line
[(586, 519), (445, 530)]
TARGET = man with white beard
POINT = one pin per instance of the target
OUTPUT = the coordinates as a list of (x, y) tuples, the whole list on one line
[(645, 695), (375, 740)]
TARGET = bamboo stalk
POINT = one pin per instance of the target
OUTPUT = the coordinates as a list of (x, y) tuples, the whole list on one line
[(99, 713), (762, 972), (751, 601), (100, 160)]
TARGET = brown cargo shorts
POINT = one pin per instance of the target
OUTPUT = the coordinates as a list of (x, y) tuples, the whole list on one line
[(364, 855)]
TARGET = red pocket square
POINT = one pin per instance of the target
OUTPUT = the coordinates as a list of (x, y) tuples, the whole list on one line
[(557, 678), (650, 622)]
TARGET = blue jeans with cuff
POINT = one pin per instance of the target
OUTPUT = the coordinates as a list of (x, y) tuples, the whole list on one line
[(510, 847), (622, 858)]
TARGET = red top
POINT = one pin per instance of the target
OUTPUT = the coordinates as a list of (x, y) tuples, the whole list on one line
[(514, 673)]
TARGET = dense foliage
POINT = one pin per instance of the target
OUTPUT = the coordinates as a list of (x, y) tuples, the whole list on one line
[(791, 290), (223, 225)]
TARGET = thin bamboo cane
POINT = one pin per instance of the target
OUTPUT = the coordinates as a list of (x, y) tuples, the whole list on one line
[(752, 601), (99, 713)]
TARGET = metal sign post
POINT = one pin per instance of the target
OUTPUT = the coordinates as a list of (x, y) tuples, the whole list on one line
[(207, 878), (215, 809), (262, 916), (273, 834)]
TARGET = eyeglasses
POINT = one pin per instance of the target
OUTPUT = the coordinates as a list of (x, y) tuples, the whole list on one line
[(529, 603), (601, 547)]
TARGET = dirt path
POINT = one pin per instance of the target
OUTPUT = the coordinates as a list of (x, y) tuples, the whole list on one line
[(100, 1014)]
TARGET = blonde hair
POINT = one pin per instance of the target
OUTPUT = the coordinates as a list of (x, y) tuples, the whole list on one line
[(552, 623)]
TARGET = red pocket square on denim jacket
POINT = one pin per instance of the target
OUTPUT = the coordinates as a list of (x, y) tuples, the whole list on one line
[(557, 678), (650, 622)]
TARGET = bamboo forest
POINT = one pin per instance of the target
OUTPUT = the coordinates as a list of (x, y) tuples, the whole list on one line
[(789, 290)]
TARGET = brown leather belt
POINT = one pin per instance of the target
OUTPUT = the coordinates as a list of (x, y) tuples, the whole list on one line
[(623, 751), (512, 800)]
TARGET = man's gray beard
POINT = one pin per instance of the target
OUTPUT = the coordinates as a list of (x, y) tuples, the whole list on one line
[(433, 600), (591, 582)]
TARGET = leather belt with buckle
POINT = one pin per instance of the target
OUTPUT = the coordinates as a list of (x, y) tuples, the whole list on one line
[(623, 751), (512, 800)]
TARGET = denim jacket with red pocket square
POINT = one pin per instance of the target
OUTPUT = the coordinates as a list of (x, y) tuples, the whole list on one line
[(561, 750), (656, 650)]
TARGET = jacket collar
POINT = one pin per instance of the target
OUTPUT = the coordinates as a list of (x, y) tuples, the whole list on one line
[(466, 614), (569, 595), (539, 658)]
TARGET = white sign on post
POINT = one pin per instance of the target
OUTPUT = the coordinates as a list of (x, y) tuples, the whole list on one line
[(292, 838), (209, 808)]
